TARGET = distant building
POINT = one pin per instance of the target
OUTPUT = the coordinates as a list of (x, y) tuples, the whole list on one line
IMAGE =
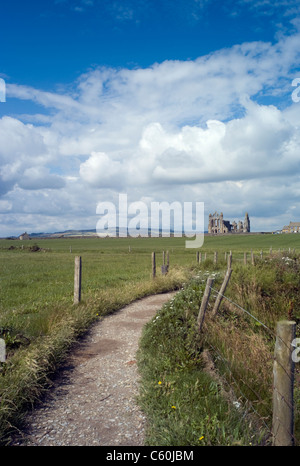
[(293, 227), (24, 236), (217, 225)]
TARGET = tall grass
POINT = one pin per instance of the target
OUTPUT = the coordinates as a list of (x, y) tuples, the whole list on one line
[(39, 322), (185, 404), (240, 349)]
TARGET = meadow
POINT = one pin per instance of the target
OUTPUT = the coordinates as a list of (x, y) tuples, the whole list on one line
[(39, 322)]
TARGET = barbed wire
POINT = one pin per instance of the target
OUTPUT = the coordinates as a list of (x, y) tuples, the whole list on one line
[(228, 366), (241, 392), (242, 309), (264, 325)]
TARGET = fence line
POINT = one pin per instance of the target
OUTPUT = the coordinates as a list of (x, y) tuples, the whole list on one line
[(275, 335), (244, 259), (77, 279), (241, 392), (283, 371)]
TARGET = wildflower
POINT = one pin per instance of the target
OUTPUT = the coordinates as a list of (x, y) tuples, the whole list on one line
[(201, 437), (173, 407), (159, 383)]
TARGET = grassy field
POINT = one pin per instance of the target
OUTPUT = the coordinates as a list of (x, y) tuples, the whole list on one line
[(39, 321)]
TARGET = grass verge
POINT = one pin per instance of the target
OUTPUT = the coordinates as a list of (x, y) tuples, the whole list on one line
[(27, 372), (187, 404)]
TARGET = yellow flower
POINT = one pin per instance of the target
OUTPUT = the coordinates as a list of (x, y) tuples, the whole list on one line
[(173, 407), (159, 383), (201, 437)]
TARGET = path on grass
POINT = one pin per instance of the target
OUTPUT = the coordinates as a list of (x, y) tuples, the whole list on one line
[(93, 400)]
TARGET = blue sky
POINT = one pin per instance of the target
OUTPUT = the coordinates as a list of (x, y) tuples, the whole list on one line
[(183, 100)]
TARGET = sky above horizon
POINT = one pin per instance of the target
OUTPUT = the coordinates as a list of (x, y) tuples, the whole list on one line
[(183, 100)]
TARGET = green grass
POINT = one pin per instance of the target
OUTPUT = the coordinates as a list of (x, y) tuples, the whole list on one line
[(242, 351), (184, 404), (40, 323), (37, 317)]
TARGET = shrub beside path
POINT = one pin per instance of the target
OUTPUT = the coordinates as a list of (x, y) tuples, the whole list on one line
[(93, 398)]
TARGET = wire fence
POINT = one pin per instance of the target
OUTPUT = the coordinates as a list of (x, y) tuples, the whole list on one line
[(277, 413)]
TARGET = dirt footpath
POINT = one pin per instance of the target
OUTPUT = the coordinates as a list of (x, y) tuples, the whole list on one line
[(93, 400)]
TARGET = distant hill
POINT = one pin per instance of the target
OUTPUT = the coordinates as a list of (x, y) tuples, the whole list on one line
[(89, 233), (67, 233)]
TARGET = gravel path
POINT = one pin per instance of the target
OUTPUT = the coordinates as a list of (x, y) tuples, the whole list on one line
[(93, 400)]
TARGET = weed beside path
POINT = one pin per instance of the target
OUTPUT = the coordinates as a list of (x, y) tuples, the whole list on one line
[(29, 368)]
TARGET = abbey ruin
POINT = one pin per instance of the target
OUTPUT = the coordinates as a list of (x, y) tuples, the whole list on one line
[(217, 225)]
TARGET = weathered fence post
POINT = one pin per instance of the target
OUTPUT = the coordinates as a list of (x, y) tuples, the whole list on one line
[(283, 385), (215, 257), (197, 257), (245, 258), (164, 267), (221, 292), (200, 257), (252, 257), (168, 260), (261, 254), (77, 280), (229, 261), (204, 303), (153, 265)]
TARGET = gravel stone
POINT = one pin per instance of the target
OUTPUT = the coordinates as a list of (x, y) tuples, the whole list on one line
[(93, 398)]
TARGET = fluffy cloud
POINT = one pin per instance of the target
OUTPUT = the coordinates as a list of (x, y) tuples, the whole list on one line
[(196, 130), (100, 170), (261, 144)]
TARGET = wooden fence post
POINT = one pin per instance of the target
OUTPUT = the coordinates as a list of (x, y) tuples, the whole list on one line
[(252, 258), (197, 257), (215, 257), (77, 280), (283, 385), (153, 265), (221, 292), (229, 261), (204, 303), (164, 267), (245, 258)]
